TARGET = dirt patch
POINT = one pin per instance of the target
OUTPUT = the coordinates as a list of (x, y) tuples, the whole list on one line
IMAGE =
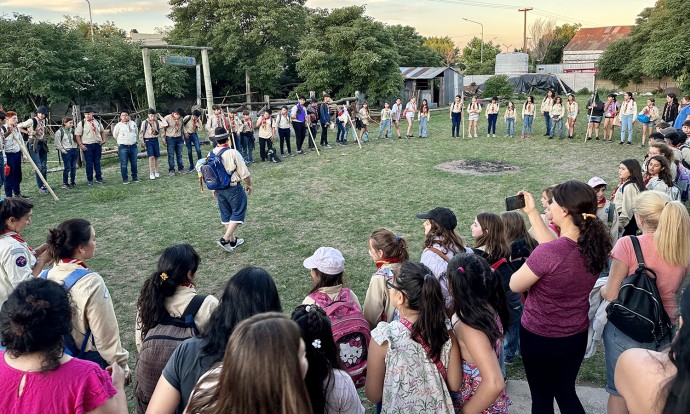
[(478, 167)]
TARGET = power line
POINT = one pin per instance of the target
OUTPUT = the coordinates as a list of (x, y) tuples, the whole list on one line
[(504, 6)]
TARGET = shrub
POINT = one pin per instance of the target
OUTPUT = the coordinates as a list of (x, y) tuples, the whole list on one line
[(498, 85)]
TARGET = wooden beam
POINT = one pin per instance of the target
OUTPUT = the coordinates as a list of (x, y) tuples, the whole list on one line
[(143, 46)]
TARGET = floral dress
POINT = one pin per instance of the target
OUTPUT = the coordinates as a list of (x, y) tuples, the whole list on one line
[(412, 383)]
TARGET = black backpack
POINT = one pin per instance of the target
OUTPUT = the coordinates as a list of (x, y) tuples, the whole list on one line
[(638, 311), (505, 270)]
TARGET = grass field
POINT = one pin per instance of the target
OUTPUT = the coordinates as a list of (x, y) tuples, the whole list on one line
[(336, 200)]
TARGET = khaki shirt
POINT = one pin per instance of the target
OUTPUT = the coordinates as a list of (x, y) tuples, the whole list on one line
[(492, 108), (215, 121), (93, 309), (456, 107), (89, 131), (16, 264), (64, 140), (174, 127), (39, 132), (546, 105), (266, 129), (234, 164), (151, 130), (377, 302), (556, 111), (191, 124), (177, 303)]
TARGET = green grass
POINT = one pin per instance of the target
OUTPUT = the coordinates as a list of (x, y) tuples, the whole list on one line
[(336, 200)]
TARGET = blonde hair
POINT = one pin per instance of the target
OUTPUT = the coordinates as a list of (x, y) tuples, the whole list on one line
[(670, 222)]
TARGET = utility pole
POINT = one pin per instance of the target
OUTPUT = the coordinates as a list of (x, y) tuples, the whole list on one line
[(524, 36), (90, 20), (481, 48)]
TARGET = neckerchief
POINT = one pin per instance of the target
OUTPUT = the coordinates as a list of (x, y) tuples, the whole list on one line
[(386, 261), (93, 127), (18, 238), (75, 261), (613, 194)]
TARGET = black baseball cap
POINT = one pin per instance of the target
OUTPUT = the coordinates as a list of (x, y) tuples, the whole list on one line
[(441, 215)]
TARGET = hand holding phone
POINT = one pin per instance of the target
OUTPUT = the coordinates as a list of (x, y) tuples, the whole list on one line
[(515, 202)]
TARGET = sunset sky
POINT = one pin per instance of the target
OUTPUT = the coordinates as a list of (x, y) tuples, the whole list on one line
[(502, 22)]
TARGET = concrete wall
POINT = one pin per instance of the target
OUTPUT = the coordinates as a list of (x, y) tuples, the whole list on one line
[(648, 85)]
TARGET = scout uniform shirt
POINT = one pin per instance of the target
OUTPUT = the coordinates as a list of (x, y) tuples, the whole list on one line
[(191, 124), (492, 109), (93, 309), (215, 121), (456, 107), (233, 163), (16, 263), (89, 131), (573, 108), (125, 134), (174, 127), (396, 111), (151, 129), (234, 124), (37, 134), (510, 113), (266, 129), (527, 109), (546, 105), (628, 108), (64, 140)]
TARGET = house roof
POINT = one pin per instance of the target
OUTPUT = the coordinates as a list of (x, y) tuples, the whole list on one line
[(423, 72), (596, 38)]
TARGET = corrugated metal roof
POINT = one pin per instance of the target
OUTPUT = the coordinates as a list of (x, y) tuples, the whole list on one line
[(422, 72), (596, 38)]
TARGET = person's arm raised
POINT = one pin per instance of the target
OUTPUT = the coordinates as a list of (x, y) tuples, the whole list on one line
[(541, 232)]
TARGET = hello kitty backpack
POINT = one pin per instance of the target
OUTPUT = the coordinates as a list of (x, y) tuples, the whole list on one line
[(350, 332)]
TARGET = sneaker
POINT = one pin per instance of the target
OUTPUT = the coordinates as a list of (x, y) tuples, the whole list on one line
[(283, 155), (629, 142), (73, 185), (43, 190), (328, 146), (182, 172), (125, 182), (488, 135), (301, 152), (135, 180), (312, 149), (171, 173), (292, 154), (493, 135), (475, 135), (89, 182), (101, 181), (152, 177), (65, 186), (190, 169), (621, 143), (237, 243), (225, 245), (156, 175)]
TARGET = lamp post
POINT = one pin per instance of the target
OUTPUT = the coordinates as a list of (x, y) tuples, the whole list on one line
[(90, 19), (481, 49)]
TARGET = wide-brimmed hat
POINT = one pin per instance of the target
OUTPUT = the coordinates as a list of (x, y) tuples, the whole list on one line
[(220, 133), (88, 110)]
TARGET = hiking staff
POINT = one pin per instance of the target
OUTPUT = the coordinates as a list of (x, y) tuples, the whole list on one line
[(312, 140), (462, 110), (589, 118), (354, 131), (36, 169), (232, 135)]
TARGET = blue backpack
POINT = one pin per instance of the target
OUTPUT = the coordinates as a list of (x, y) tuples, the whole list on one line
[(213, 173), (71, 348)]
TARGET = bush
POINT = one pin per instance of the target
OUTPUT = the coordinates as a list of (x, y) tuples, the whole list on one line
[(498, 85), (584, 91)]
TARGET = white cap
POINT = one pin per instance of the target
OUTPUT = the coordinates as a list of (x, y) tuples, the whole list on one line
[(596, 182), (327, 260)]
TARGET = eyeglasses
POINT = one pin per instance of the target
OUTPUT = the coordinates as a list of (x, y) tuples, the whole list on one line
[(392, 286)]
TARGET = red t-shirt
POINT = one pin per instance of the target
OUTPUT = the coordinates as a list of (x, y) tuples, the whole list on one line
[(75, 387), (669, 277), (558, 303)]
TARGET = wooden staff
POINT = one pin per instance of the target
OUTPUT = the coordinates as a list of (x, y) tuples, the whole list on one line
[(38, 172), (591, 111), (308, 129), (462, 114)]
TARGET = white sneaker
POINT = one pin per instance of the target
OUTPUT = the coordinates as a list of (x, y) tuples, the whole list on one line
[(475, 135), (225, 246), (488, 135), (156, 174), (238, 242), (151, 176), (493, 135)]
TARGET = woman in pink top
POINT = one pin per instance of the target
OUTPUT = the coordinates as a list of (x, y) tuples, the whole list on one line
[(560, 274), (665, 244), (36, 376)]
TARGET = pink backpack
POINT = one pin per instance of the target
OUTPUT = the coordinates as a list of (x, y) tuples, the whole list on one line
[(350, 332)]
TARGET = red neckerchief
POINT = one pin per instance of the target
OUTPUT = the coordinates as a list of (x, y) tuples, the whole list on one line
[(381, 263), (75, 261), (18, 238), (93, 126), (613, 194), (187, 284), (601, 203), (41, 125)]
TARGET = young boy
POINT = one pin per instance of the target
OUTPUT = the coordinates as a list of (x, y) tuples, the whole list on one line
[(266, 132), (232, 201), (686, 131), (247, 138), (217, 120), (148, 137), (385, 122), (191, 137)]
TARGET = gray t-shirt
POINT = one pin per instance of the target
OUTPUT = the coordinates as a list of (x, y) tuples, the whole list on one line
[(185, 367)]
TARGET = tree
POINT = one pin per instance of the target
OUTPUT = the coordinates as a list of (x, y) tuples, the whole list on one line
[(412, 47), (542, 36), (471, 58), (561, 37), (445, 47), (656, 47), (498, 85), (345, 51)]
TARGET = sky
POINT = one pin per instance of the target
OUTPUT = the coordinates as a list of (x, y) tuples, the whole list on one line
[(502, 22)]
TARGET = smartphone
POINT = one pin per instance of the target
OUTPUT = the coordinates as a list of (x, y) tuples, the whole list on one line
[(515, 202)]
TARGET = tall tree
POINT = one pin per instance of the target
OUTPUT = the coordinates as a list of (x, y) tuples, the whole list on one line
[(345, 51), (445, 47), (542, 36), (561, 37), (478, 62), (412, 47)]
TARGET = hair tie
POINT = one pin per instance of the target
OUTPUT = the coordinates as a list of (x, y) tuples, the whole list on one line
[(588, 215), (461, 269), (665, 204), (307, 309), (426, 276), (316, 343), (164, 276), (398, 238)]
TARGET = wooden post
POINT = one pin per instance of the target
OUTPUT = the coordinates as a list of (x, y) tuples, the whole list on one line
[(146, 56), (207, 82), (267, 99), (248, 90), (198, 85)]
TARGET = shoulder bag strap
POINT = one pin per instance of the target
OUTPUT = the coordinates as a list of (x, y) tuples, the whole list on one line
[(439, 253), (191, 310), (638, 251)]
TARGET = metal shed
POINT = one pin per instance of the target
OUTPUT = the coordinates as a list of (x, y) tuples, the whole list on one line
[(438, 85)]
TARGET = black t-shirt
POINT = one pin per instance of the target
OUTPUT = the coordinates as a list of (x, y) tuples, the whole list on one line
[(184, 368)]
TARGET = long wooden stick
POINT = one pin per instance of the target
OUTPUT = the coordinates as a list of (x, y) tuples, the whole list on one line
[(359, 140), (312, 140), (591, 111), (38, 172)]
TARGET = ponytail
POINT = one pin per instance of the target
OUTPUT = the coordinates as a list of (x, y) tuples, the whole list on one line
[(392, 245), (13, 207), (672, 235), (174, 266), (64, 240), (424, 294)]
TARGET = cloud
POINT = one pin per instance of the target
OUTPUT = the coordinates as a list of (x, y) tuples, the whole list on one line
[(103, 7)]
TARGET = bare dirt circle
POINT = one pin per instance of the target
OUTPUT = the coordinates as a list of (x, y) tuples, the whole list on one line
[(478, 167)]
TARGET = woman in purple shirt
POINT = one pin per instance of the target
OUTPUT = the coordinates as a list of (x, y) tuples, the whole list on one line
[(559, 274)]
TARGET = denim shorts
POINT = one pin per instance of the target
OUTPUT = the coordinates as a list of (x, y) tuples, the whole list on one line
[(153, 148), (232, 203), (615, 342)]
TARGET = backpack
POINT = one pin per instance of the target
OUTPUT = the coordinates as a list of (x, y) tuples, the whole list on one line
[(638, 311), (682, 181), (350, 332), (157, 347), (682, 160), (213, 173), (505, 270), (71, 347)]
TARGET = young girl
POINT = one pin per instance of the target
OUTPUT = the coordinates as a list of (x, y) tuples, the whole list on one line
[(424, 119), (509, 117), (414, 361), (545, 109), (595, 112), (148, 134), (283, 123), (456, 116), (557, 111), (387, 249), (631, 184), (572, 109), (410, 110), (364, 118), (67, 147), (167, 293), (330, 389), (492, 117), (327, 267), (653, 113), (527, 117), (478, 319), (474, 109), (627, 116), (269, 344), (659, 177), (385, 124)]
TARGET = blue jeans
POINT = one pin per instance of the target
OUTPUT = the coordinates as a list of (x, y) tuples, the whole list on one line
[(14, 160), (557, 124), (174, 150), (340, 136), (423, 124), (491, 127), (511, 342), (510, 122), (248, 146), (627, 126), (547, 121), (39, 153), (92, 158), (70, 161), (386, 126), (128, 153), (2, 169), (193, 138), (237, 138), (456, 118), (527, 124)]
